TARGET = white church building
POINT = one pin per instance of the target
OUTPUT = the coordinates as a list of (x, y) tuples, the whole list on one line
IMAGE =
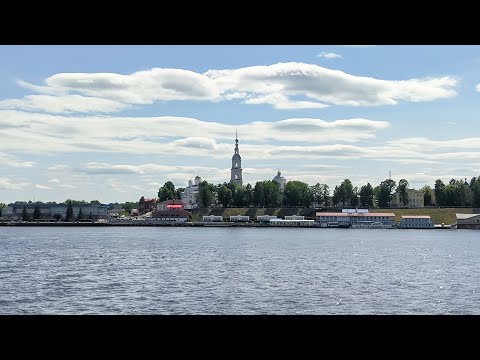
[(190, 195)]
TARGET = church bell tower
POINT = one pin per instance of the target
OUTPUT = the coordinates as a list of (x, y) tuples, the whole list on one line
[(236, 172)]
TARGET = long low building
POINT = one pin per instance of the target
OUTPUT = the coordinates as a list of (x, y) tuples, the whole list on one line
[(468, 221), (291, 222), (237, 218), (416, 222), (355, 219), (51, 211), (212, 218), (265, 218)]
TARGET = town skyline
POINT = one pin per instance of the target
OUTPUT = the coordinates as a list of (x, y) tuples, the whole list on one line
[(114, 123)]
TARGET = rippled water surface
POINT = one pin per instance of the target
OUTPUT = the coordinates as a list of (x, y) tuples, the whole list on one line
[(163, 270)]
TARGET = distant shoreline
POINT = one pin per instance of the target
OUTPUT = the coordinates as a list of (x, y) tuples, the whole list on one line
[(188, 224)]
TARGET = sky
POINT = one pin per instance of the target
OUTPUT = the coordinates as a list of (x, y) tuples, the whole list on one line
[(114, 123)]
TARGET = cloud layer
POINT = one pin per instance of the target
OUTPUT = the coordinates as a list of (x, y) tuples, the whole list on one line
[(27, 132), (287, 86)]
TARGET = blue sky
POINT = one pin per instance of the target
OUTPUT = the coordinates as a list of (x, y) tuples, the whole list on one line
[(114, 123)]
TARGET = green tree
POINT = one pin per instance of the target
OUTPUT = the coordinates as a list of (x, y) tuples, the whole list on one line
[(2, 206), (129, 206), (36, 212), (96, 202), (69, 215), (248, 195), (317, 193), (476, 193), (205, 194), (385, 192), (24, 214), (80, 214), (336, 195), (57, 217), (224, 195), (233, 188), (272, 194), (402, 191), (427, 195), (345, 194), (90, 216), (325, 195), (259, 194), (167, 192), (354, 197), (439, 192), (239, 199), (473, 180), (75, 202), (297, 193), (366, 196)]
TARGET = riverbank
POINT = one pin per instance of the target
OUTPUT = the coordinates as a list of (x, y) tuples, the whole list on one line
[(177, 224), (438, 215)]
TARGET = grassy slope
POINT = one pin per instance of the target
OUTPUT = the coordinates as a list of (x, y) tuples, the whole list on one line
[(444, 215)]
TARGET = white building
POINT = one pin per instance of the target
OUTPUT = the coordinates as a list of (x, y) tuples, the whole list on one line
[(280, 180), (265, 218), (14, 211), (356, 219), (291, 222), (415, 199), (212, 218), (239, 218), (190, 194), (416, 222), (294, 217)]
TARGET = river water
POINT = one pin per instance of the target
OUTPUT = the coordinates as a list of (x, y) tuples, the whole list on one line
[(183, 270)]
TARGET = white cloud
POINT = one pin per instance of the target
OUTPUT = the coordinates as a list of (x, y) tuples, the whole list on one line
[(428, 144), (7, 184), (477, 87), (54, 134), (329, 86), (329, 55), (42, 187), (273, 84), (10, 160), (58, 167), (54, 180), (63, 104), (185, 171), (142, 87), (281, 102), (411, 161)]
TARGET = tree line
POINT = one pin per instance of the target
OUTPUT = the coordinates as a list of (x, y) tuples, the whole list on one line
[(267, 193)]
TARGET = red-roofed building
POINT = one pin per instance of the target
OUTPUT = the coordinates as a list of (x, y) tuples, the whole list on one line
[(356, 219), (171, 210), (146, 205)]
